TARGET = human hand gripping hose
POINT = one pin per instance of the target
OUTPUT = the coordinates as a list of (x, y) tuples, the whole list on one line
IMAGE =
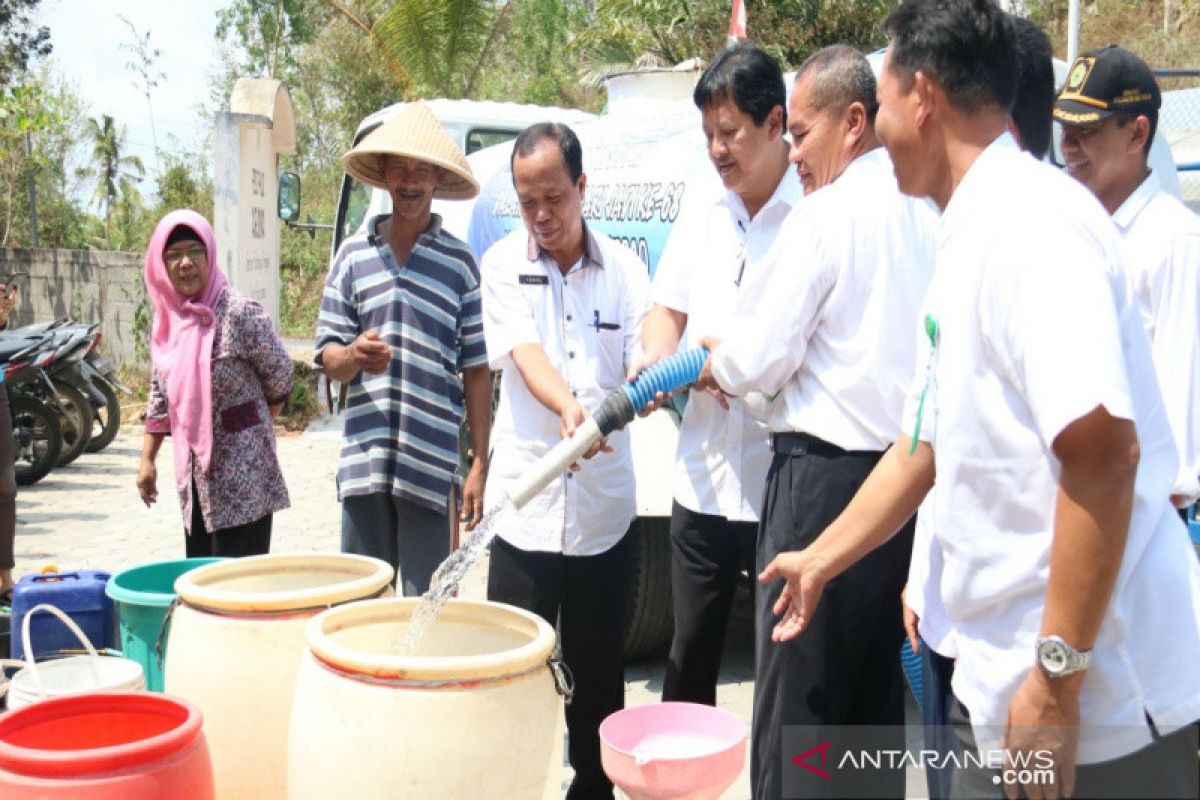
[(618, 409)]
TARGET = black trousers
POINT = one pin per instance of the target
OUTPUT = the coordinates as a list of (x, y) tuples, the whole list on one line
[(844, 670), (937, 703), (708, 553), (587, 596), (1165, 768), (251, 539)]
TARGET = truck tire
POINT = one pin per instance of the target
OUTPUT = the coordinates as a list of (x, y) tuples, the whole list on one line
[(650, 621)]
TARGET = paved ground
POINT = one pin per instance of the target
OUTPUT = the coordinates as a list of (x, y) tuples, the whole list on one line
[(89, 515)]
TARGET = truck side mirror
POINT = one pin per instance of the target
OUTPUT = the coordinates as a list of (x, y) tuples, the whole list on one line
[(289, 197)]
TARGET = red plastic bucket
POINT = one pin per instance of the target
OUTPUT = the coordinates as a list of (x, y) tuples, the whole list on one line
[(118, 746)]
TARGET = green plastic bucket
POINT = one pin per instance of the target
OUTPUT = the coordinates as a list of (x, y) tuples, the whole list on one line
[(143, 595)]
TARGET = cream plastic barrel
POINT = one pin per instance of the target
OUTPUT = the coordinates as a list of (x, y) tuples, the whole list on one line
[(477, 713), (236, 642)]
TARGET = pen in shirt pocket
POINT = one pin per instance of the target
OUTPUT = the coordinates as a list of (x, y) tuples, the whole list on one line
[(603, 326)]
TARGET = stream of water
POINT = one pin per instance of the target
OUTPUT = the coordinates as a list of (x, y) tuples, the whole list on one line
[(449, 574)]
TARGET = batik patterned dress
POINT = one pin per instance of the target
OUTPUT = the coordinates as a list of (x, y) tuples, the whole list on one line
[(251, 370)]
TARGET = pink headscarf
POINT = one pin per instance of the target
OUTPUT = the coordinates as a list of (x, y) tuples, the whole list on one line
[(181, 342)]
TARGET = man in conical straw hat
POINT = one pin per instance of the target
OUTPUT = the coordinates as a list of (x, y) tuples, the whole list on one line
[(399, 322)]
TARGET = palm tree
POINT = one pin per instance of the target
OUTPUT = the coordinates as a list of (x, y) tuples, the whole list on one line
[(115, 173), (440, 46)]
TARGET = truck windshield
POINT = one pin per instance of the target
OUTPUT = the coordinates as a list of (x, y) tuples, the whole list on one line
[(479, 138)]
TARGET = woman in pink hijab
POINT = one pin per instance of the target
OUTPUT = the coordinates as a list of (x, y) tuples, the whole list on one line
[(220, 375)]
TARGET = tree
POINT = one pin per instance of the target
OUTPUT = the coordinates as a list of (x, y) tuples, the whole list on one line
[(534, 61), (440, 47), (116, 174), (620, 34), (623, 33), (270, 31), (792, 30), (24, 111), (19, 41), (338, 80), (145, 67)]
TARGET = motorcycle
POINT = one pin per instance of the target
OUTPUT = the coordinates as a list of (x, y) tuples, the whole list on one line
[(80, 373), (37, 433)]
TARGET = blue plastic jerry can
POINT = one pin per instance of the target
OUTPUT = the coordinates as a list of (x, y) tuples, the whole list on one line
[(78, 594)]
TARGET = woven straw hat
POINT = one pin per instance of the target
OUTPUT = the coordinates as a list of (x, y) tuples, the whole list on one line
[(414, 132)]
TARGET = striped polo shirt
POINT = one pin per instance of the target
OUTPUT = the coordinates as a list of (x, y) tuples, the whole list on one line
[(401, 427)]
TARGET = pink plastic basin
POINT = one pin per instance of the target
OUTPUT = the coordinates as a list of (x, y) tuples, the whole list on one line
[(682, 751)]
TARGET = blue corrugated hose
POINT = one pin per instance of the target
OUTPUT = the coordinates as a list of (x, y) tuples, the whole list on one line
[(911, 662), (670, 373)]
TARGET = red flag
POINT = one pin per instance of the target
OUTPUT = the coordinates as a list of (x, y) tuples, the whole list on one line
[(737, 21)]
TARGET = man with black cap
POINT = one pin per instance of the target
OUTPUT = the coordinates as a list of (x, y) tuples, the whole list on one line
[(1109, 112)]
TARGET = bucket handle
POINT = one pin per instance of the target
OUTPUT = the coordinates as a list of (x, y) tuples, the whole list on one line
[(94, 661), (564, 681), (164, 628)]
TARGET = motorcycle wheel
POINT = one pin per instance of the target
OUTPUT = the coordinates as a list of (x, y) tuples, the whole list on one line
[(76, 423), (37, 438), (106, 420)]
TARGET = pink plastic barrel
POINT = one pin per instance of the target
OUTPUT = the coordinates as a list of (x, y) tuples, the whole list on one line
[(682, 751), (118, 746)]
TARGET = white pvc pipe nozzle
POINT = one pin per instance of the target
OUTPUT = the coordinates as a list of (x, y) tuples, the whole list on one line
[(557, 461)]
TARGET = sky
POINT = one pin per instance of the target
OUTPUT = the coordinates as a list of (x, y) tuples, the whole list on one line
[(87, 36)]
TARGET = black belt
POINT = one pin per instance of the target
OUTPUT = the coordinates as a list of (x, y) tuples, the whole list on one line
[(800, 443)]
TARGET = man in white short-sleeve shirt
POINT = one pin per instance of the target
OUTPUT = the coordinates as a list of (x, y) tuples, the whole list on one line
[(562, 313), (1036, 405), (925, 617), (711, 271), (1109, 113), (831, 349)]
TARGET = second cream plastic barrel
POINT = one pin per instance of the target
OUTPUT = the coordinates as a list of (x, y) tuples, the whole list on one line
[(476, 714), (235, 647)]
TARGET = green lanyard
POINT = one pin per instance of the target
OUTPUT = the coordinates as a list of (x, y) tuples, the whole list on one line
[(931, 330)]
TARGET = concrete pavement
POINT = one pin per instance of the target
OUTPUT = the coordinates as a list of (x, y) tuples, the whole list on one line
[(89, 515)]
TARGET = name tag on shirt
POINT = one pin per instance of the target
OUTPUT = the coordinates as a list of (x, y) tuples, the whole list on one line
[(533, 280)]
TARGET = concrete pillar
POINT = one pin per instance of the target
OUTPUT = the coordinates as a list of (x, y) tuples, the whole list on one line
[(249, 138)]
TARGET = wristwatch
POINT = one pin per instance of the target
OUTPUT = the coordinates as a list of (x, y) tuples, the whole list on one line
[(1058, 659)]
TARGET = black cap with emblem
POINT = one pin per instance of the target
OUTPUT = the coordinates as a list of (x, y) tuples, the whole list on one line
[(1105, 82)]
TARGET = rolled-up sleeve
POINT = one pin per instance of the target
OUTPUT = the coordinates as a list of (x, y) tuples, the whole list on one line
[(157, 415)]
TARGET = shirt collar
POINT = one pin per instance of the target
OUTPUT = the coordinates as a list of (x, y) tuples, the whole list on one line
[(875, 156), (788, 192), (973, 188), (592, 253), (1133, 205), (433, 230)]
